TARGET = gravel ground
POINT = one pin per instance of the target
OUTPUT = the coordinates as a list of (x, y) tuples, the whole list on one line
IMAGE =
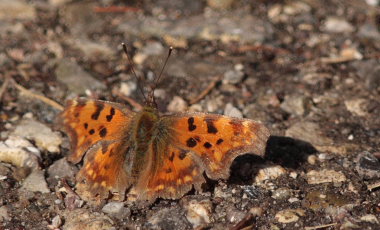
[(308, 69)]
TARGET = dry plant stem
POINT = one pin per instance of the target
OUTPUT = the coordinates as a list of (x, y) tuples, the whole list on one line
[(37, 96), (4, 86), (320, 226), (69, 190), (132, 102), (207, 90)]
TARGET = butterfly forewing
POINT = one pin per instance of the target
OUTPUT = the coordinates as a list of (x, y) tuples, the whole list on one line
[(103, 171), (217, 140), (89, 121)]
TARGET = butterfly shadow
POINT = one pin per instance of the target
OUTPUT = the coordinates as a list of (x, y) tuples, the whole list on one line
[(284, 151)]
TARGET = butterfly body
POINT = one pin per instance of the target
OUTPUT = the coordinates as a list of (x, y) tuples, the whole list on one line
[(158, 155)]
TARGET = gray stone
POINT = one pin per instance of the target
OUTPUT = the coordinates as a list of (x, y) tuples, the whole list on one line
[(324, 176), (4, 214), (56, 222), (87, 220), (281, 193), (357, 106), (129, 87), (369, 31), (75, 78), (367, 165), (177, 104), (35, 182), (41, 134), (233, 77), (232, 111), (116, 209), (14, 151), (309, 132), (337, 25), (234, 215), (289, 215), (269, 172), (61, 169), (16, 9), (168, 218), (369, 71), (298, 105), (199, 213)]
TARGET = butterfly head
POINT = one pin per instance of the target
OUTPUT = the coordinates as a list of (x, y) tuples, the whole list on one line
[(149, 99)]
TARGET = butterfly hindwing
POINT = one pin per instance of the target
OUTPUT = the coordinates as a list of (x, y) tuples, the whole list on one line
[(173, 177), (103, 171)]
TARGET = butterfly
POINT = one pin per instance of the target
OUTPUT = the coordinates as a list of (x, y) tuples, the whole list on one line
[(159, 156)]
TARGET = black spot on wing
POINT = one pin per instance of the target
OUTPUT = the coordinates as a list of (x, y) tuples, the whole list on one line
[(103, 132), (191, 142), (110, 116), (92, 131), (85, 125), (98, 110), (210, 125), (219, 141), (207, 145), (190, 122)]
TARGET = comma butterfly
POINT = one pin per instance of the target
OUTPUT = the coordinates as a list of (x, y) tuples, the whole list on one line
[(158, 155)]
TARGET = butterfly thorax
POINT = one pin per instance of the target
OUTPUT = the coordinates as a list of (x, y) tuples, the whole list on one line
[(144, 129)]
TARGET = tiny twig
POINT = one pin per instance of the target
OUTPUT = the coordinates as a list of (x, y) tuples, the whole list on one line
[(37, 96), (69, 190), (4, 86), (132, 102), (207, 90), (320, 226)]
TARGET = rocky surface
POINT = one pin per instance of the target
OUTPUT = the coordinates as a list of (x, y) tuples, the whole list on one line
[(308, 69)]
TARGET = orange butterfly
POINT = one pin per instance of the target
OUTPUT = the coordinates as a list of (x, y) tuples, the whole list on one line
[(158, 155)]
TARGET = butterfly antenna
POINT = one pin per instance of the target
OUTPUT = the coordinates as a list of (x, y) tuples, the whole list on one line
[(133, 70), (162, 70)]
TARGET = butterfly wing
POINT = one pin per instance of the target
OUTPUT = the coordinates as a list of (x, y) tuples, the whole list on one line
[(89, 121), (201, 142), (102, 172), (97, 130), (171, 176)]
